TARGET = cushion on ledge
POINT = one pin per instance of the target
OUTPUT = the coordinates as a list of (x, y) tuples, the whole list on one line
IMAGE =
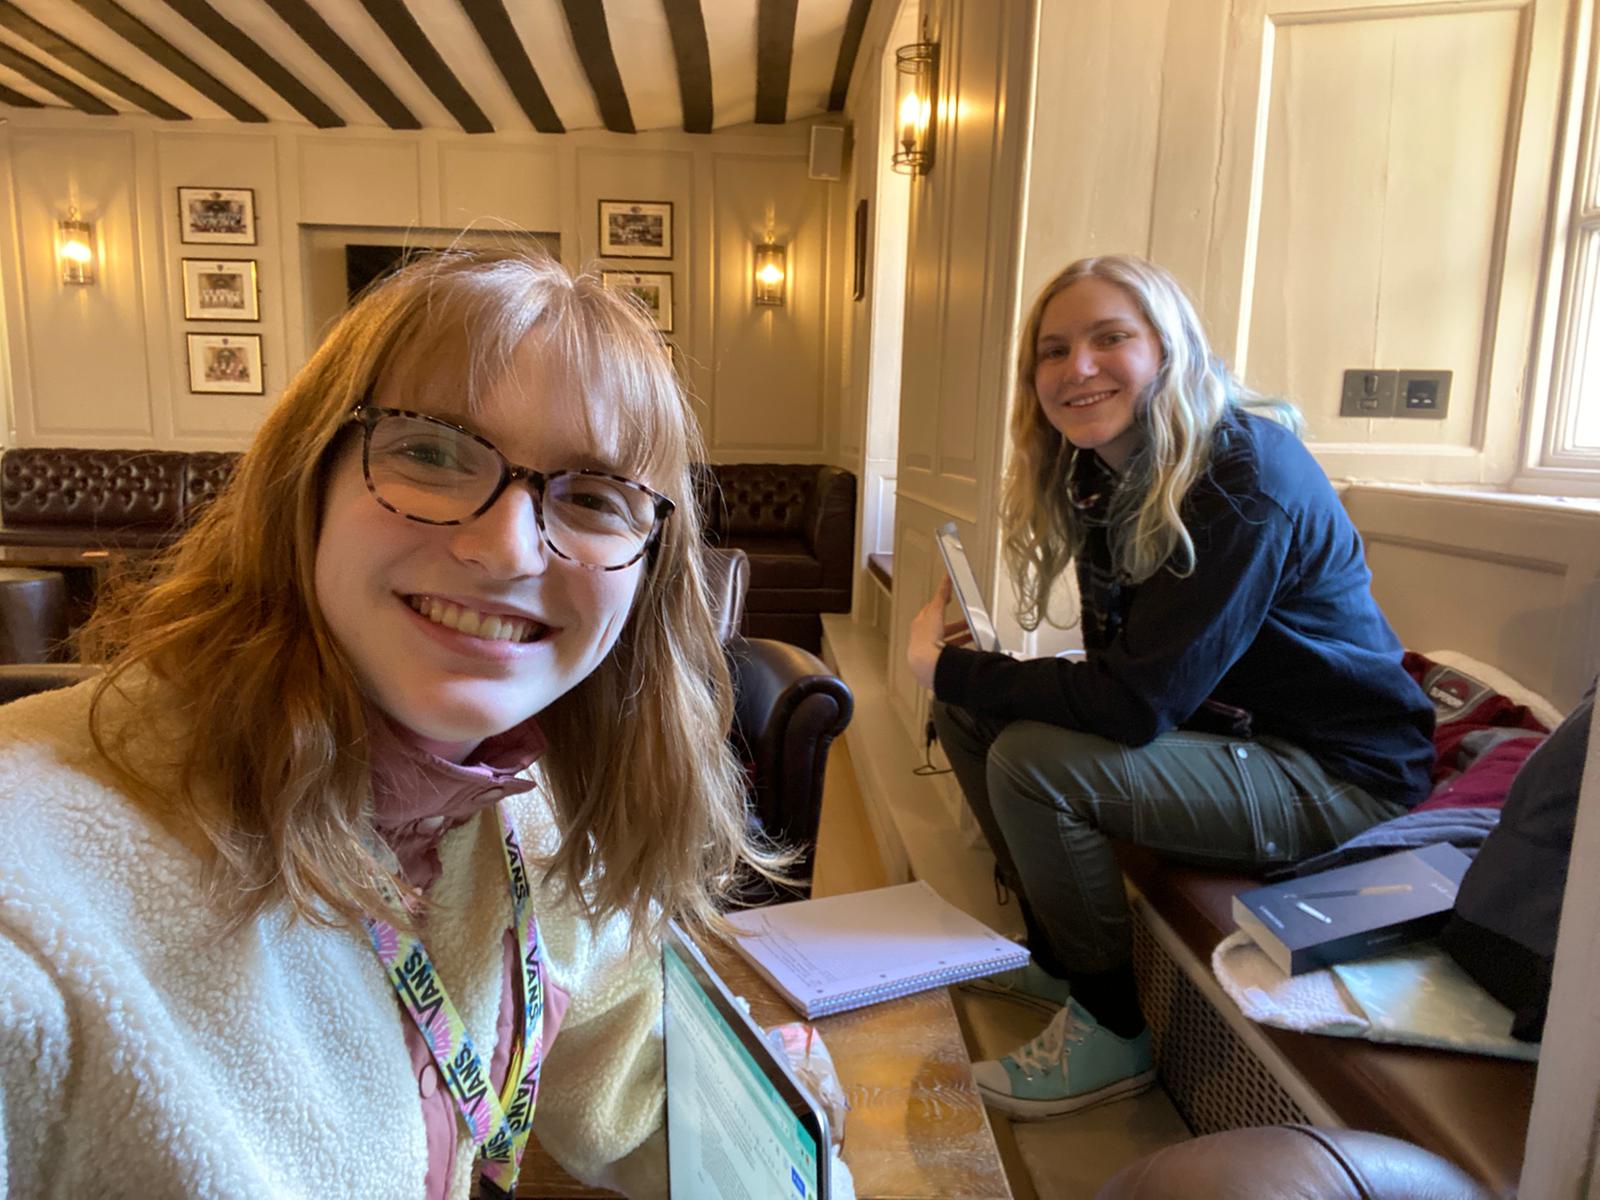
[(1483, 733)]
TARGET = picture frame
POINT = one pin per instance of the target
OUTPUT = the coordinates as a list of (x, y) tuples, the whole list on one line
[(217, 216), (225, 364), (636, 229), (220, 290), (651, 290), (862, 232)]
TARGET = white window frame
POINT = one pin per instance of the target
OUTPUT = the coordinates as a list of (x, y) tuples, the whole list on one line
[(1553, 461)]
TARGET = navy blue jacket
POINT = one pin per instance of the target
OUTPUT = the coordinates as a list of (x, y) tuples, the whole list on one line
[(1277, 618)]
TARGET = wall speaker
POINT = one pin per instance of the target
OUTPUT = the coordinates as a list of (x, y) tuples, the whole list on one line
[(828, 151)]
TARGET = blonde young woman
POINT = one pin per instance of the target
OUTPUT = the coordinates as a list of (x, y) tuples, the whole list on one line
[(282, 910), (1242, 702)]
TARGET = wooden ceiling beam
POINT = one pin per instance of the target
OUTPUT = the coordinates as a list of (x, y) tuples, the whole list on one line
[(401, 28), (85, 64), (257, 61), (855, 24), (307, 22), (774, 57), (587, 22), (18, 99), (167, 56), (83, 101), (687, 25), (500, 39)]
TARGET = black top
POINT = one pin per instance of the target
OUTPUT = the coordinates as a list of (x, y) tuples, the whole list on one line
[(1277, 619)]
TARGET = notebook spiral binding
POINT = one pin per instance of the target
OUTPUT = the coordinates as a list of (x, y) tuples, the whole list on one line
[(861, 997)]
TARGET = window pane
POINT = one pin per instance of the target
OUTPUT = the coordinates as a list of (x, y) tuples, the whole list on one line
[(1581, 388)]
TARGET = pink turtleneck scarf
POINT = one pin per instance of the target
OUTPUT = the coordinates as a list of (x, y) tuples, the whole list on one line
[(417, 798)]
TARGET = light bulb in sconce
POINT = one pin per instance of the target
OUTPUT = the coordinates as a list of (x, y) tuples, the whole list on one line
[(913, 116), (771, 273), (75, 249), (916, 86)]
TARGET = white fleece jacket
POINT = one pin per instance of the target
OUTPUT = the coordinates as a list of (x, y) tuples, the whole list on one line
[(143, 1055)]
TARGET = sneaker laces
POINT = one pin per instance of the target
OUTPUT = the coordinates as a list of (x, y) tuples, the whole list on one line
[(1045, 1050)]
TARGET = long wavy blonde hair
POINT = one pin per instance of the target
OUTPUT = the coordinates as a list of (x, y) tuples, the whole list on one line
[(273, 773), (1176, 419)]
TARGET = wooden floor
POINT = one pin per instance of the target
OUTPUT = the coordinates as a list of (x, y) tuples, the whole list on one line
[(1046, 1160)]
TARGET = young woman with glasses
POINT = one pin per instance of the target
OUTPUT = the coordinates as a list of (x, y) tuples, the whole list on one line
[(283, 909), (1241, 703)]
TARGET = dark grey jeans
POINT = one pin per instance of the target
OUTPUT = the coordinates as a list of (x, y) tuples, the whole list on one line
[(1050, 800)]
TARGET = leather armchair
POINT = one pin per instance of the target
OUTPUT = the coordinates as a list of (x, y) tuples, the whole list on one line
[(24, 679), (1293, 1162), (788, 708)]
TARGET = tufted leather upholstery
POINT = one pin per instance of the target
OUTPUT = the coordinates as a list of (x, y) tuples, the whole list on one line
[(104, 498), (796, 523), (1292, 1162)]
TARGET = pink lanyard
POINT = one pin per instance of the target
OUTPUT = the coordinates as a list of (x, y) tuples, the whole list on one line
[(498, 1124)]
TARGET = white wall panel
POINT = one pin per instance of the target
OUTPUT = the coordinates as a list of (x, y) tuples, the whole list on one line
[(360, 181), (758, 409), (960, 274), (82, 348), (493, 186)]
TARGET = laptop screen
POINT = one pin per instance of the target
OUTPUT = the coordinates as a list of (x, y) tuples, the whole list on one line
[(738, 1124)]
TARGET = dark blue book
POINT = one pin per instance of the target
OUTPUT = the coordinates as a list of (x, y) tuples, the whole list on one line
[(1353, 911)]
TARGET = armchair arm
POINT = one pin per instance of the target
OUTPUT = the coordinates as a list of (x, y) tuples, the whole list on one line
[(830, 529), (788, 709), (24, 679)]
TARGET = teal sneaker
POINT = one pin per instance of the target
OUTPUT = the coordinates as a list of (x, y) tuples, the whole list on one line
[(1076, 1063), (1028, 984)]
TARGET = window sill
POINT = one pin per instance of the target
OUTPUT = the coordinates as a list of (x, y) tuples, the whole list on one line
[(1520, 494)]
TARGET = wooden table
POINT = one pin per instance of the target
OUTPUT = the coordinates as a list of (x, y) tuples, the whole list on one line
[(917, 1129)]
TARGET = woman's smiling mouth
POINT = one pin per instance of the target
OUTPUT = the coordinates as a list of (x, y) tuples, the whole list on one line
[(489, 627), (1091, 398)]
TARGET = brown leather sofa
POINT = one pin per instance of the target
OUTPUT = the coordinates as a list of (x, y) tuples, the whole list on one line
[(105, 499), (1471, 1110), (797, 524)]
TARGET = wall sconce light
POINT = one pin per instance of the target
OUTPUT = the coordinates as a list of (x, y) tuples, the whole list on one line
[(75, 248), (772, 273), (916, 79)]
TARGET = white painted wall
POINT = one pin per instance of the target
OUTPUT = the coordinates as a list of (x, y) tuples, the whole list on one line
[(872, 325), (105, 365)]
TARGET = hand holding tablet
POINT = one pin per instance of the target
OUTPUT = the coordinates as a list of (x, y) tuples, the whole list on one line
[(929, 631), (967, 592)]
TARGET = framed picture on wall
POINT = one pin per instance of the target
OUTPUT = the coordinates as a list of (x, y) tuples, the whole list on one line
[(225, 363), (217, 215), (652, 291), (636, 229), (224, 290)]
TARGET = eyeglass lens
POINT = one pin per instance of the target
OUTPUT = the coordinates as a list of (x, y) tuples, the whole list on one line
[(427, 470)]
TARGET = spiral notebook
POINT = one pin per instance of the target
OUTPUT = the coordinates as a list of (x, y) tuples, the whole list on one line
[(842, 952)]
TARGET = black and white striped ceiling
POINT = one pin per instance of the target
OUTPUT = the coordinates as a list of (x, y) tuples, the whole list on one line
[(476, 65)]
